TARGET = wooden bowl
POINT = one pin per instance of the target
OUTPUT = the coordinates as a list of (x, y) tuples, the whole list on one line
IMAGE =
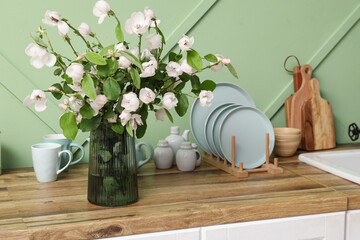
[(287, 146)]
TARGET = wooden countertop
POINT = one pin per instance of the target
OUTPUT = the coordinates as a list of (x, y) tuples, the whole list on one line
[(169, 200)]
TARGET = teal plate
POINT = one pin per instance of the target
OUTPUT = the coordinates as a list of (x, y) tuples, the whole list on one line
[(223, 93), (249, 126), (208, 128), (214, 136)]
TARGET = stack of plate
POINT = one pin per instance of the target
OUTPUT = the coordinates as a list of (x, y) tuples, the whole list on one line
[(232, 113)]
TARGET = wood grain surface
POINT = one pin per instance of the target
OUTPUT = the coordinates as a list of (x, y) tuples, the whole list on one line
[(317, 121), (169, 199)]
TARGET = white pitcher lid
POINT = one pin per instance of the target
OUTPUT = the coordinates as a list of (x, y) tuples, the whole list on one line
[(175, 130), (163, 143)]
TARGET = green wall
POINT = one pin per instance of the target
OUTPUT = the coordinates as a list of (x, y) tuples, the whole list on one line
[(256, 34)]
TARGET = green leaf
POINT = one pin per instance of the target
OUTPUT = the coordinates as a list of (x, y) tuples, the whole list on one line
[(68, 125), (182, 105), (128, 129), (208, 85), (112, 89), (110, 185), (87, 125), (211, 58), (104, 51), (140, 131), (118, 128), (67, 89), (195, 82), (106, 70), (38, 40), (88, 87), (109, 114), (172, 56), (57, 95), (169, 115), (135, 77), (180, 86), (57, 72), (105, 155), (119, 34), (134, 60), (86, 111), (95, 58), (232, 70), (194, 60)]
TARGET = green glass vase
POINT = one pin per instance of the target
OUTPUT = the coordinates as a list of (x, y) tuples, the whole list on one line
[(112, 179)]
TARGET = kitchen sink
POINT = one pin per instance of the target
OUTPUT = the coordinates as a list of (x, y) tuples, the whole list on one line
[(345, 164)]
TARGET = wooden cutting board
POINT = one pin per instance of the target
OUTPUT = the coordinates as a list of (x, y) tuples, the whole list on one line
[(318, 121), (294, 103)]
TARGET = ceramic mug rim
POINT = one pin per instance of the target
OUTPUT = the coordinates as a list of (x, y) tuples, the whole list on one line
[(45, 146), (55, 136)]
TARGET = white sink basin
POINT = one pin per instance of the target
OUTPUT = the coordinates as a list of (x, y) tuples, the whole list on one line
[(345, 164)]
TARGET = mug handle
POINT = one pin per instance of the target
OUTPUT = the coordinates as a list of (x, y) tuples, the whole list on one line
[(70, 158), (151, 151), (82, 152)]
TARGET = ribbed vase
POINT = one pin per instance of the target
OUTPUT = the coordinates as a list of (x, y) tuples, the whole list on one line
[(112, 177)]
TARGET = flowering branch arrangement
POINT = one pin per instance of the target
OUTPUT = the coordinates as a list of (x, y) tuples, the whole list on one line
[(118, 84)]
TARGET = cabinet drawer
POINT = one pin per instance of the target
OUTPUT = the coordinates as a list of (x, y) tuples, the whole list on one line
[(329, 226)]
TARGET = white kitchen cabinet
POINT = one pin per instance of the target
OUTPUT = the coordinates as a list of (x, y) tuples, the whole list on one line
[(353, 225), (183, 234), (328, 226)]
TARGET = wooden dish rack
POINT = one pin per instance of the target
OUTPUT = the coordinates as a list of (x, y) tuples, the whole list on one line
[(240, 171)]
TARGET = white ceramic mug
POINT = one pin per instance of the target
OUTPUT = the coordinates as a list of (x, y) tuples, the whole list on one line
[(46, 159)]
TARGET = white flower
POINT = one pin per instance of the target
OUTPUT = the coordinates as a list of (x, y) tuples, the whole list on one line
[(160, 114), (146, 95), (226, 61), (149, 68), (153, 41), (75, 71), (51, 18), (84, 29), (205, 98), (63, 28), (185, 43), (78, 118), (146, 54), (149, 13), (130, 102), (217, 67), (101, 100), (113, 119), (98, 103), (124, 63), (124, 117), (185, 67), (137, 24), (77, 105), (135, 121), (39, 56), (39, 98), (120, 47), (77, 87), (101, 10), (169, 100), (173, 69)]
